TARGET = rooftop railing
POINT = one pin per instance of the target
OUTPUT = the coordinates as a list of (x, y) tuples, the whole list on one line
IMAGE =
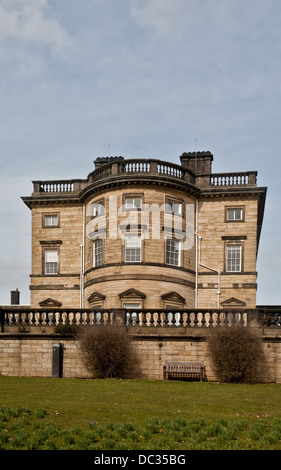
[(155, 168), (188, 318), (234, 179)]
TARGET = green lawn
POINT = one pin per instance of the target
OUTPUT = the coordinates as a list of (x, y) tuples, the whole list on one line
[(138, 414)]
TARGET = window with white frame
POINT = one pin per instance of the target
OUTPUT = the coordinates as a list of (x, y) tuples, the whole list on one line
[(173, 207), (131, 305), (51, 261), (50, 220), (234, 214), (133, 248), (234, 258), (98, 253), (97, 208), (173, 252), (133, 202)]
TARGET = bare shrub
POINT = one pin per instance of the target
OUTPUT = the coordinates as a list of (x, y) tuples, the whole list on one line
[(236, 353), (106, 349)]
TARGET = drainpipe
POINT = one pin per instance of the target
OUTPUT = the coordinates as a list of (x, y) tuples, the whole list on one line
[(212, 269), (82, 263), (196, 253)]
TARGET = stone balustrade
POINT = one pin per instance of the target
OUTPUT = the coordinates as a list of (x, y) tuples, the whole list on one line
[(145, 167), (188, 318)]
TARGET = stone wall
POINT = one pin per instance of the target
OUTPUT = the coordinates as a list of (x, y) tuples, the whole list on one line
[(67, 238), (31, 354), (217, 233), (152, 276)]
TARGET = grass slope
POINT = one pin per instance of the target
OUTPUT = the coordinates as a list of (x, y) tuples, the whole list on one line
[(138, 414)]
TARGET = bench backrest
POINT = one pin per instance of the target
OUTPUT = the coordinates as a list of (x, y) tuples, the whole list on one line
[(184, 366)]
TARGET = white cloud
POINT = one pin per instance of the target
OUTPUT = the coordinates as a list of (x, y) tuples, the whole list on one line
[(164, 16), (176, 17), (25, 27)]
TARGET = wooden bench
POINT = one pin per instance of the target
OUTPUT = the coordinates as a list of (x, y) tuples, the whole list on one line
[(183, 370)]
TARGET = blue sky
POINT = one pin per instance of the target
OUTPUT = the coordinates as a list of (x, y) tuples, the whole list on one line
[(150, 78)]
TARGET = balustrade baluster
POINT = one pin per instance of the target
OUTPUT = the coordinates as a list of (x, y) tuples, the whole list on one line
[(54, 319), (275, 319), (144, 319), (129, 318), (40, 320), (158, 318), (80, 318), (218, 319), (203, 319), (195, 318), (188, 320), (211, 320)]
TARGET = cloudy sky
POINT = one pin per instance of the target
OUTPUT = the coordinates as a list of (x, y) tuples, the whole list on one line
[(143, 78)]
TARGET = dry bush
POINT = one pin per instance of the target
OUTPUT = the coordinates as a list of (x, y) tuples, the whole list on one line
[(106, 349), (236, 353)]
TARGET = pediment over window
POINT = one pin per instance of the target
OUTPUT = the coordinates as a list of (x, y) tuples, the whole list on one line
[(132, 294), (173, 297), (50, 303), (96, 296), (233, 302)]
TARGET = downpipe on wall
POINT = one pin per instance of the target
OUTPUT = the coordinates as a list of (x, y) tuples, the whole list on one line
[(211, 269), (82, 247)]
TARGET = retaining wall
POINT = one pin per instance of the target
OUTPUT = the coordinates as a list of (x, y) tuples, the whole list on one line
[(29, 354)]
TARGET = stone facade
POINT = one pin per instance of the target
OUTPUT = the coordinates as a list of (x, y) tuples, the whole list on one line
[(214, 267)]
